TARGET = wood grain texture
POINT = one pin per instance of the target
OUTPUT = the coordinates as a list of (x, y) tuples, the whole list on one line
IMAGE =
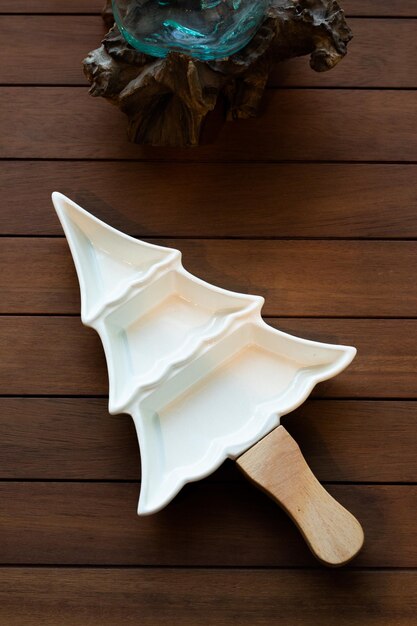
[(66, 438), (295, 277), (228, 200), (56, 122), (51, 6), (370, 61), (386, 363), (404, 8), (75, 438), (57, 356), (347, 440), (378, 56), (159, 596), (385, 8), (206, 524), (276, 465), (36, 36)]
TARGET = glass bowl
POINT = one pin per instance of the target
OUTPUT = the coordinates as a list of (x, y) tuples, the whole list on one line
[(204, 29)]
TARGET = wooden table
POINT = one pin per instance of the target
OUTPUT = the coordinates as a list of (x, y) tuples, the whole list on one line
[(314, 207)]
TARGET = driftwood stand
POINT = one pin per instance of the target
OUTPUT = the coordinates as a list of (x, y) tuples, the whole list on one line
[(170, 101)]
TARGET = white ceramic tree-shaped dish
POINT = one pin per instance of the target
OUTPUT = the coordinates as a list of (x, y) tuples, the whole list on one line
[(198, 369)]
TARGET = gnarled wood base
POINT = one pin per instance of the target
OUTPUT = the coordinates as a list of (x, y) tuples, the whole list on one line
[(168, 101)]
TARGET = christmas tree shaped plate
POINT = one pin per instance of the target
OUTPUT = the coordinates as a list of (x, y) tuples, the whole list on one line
[(202, 375)]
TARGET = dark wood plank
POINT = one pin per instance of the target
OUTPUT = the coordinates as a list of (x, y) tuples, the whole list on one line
[(66, 438), (370, 62), (51, 6), (301, 278), (56, 355), (73, 438), (300, 125), (357, 441), (404, 8), (380, 55), (206, 524), (385, 8), (35, 36), (90, 596), (49, 355), (386, 363), (250, 200)]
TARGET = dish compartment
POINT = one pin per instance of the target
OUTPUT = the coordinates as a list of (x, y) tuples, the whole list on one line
[(108, 263), (224, 401), (162, 326)]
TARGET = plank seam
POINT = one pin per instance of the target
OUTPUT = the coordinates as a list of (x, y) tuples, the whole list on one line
[(166, 161), (305, 87), (270, 316), (121, 566), (225, 238), (225, 481), (356, 16), (317, 397)]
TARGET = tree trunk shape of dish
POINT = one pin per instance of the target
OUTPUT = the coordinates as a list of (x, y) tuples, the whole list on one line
[(201, 373)]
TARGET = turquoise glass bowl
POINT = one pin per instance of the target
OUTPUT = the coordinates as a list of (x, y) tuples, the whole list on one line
[(204, 29)]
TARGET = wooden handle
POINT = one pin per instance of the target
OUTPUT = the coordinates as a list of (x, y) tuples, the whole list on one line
[(275, 464)]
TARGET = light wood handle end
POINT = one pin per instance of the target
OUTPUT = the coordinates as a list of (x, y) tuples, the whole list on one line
[(276, 465)]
